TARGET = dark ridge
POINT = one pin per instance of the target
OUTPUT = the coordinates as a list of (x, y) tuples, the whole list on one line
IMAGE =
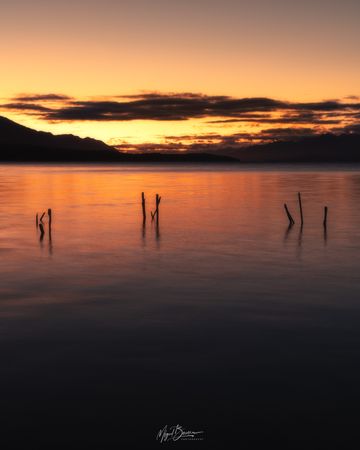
[(19, 141), (22, 144), (323, 148)]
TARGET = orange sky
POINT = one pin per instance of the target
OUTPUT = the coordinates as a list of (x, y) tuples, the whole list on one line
[(294, 51)]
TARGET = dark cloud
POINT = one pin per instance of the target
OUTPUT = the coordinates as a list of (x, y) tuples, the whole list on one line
[(242, 118), (302, 118), (159, 108), (158, 95), (289, 120), (213, 142), (286, 131), (332, 105), (195, 106), (184, 106), (162, 107), (40, 97), (26, 107)]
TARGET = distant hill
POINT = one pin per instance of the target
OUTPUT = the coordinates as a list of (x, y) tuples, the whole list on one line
[(322, 148), (19, 143), (22, 144)]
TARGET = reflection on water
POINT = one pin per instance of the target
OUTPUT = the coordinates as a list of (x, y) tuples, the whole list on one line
[(287, 232), (219, 294), (213, 222)]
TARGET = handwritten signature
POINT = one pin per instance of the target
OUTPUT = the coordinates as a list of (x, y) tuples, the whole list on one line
[(176, 432)]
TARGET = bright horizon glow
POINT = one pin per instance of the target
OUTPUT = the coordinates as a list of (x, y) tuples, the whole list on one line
[(293, 51)]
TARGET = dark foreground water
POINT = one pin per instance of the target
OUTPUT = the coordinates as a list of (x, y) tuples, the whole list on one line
[(220, 319)]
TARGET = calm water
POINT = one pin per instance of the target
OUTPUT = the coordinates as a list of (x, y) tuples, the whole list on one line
[(220, 319)]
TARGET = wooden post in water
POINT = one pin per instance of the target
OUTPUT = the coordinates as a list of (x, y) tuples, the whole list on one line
[(158, 200), (42, 232), (291, 220), (50, 221), (143, 206), (301, 210), (37, 220), (325, 216), (156, 212)]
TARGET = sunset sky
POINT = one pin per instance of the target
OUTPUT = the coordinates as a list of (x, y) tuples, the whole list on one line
[(165, 73)]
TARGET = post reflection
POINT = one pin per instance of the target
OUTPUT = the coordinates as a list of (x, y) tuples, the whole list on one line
[(325, 235), (287, 233)]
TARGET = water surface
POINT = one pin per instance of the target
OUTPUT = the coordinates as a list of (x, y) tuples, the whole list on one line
[(220, 318)]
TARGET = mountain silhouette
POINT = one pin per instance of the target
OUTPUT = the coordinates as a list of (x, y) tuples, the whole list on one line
[(19, 143), (22, 144), (316, 149)]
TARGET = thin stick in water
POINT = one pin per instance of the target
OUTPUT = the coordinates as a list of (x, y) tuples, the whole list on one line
[(37, 220), (301, 210), (291, 220), (50, 215), (158, 200), (143, 206), (42, 232), (42, 216)]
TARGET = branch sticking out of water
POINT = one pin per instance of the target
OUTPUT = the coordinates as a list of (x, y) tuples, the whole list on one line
[(42, 232), (143, 202), (156, 212), (291, 220), (301, 210)]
